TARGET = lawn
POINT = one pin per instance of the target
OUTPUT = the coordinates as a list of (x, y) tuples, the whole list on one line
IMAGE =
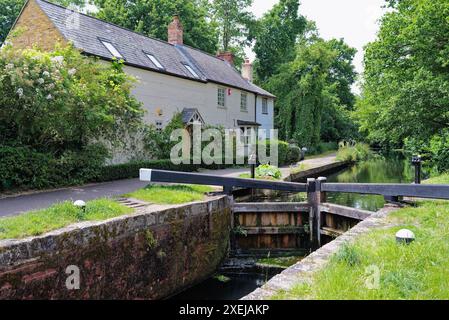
[(170, 194), (58, 216), (63, 214), (416, 271)]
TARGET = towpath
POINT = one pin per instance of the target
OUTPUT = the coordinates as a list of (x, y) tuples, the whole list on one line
[(16, 204)]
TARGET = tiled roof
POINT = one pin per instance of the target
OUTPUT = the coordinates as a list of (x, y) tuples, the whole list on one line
[(88, 33)]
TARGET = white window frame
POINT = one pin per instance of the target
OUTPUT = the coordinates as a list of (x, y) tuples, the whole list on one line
[(264, 105), (221, 97), (112, 50), (192, 72), (155, 61), (244, 102)]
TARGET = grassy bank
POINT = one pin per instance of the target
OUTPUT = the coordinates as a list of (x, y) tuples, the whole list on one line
[(416, 271), (172, 194), (63, 214), (58, 216)]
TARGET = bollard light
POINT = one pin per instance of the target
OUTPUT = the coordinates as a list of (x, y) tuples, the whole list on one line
[(80, 204), (405, 236)]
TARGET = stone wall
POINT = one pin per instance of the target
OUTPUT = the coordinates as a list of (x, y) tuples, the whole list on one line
[(34, 28), (152, 254), (303, 271)]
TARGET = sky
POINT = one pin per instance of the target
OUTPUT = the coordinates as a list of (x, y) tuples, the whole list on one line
[(353, 20)]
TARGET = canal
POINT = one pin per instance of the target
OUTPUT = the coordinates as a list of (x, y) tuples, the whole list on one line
[(380, 170)]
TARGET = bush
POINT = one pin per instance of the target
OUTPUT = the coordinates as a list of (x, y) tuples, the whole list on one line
[(354, 152), (323, 147), (25, 168), (435, 152), (267, 171), (287, 153)]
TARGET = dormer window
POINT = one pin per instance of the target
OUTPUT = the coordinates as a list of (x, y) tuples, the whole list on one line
[(155, 61), (192, 72), (112, 49)]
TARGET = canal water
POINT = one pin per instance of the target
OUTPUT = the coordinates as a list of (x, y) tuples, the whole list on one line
[(382, 170)]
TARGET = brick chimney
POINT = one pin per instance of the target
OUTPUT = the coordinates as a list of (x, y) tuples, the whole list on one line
[(226, 56), (247, 70), (176, 32)]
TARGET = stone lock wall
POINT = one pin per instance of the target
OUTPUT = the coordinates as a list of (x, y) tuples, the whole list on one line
[(152, 254)]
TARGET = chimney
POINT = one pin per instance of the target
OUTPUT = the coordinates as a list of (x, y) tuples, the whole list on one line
[(175, 32), (247, 70), (226, 56)]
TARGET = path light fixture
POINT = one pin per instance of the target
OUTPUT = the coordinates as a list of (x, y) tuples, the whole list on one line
[(405, 236), (80, 204)]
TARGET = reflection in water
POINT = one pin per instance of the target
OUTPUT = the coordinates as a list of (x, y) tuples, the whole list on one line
[(392, 170), (238, 286)]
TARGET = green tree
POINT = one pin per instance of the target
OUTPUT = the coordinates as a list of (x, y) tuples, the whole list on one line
[(313, 91), (152, 17), (276, 36), (235, 21), (406, 82)]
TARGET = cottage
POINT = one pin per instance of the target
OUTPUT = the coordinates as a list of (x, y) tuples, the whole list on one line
[(173, 77)]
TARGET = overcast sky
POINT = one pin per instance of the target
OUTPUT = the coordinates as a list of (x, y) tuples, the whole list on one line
[(353, 20)]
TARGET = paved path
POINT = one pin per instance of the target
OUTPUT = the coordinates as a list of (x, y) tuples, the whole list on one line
[(22, 203)]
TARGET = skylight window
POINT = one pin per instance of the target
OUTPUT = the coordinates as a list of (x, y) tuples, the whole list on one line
[(112, 49), (189, 68), (155, 61)]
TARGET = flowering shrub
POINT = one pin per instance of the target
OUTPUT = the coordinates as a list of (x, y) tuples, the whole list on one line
[(55, 106)]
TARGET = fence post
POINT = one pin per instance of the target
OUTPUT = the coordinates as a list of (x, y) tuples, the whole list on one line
[(314, 200)]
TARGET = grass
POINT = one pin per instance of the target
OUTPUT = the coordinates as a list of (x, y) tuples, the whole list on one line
[(170, 194), (283, 262), (354, 152), (60, 215), (442, 179), (415, 271)]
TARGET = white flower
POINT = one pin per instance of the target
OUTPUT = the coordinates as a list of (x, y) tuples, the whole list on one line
[(58, 59), (40, 81), (51, 86), (46, 74), (9, 66), (49, 97), (72, 71), (20, 92)]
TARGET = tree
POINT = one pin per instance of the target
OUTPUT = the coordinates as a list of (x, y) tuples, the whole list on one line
[(406, 82), (152, 17), (309, 108), (235, 22), (276, 37), (10, 9)]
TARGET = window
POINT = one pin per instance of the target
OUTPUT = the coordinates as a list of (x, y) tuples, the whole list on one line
[(222, 97), (244, 102), (155, 61), (159, 126), (189, 68), (265, 106), (112, 49)]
